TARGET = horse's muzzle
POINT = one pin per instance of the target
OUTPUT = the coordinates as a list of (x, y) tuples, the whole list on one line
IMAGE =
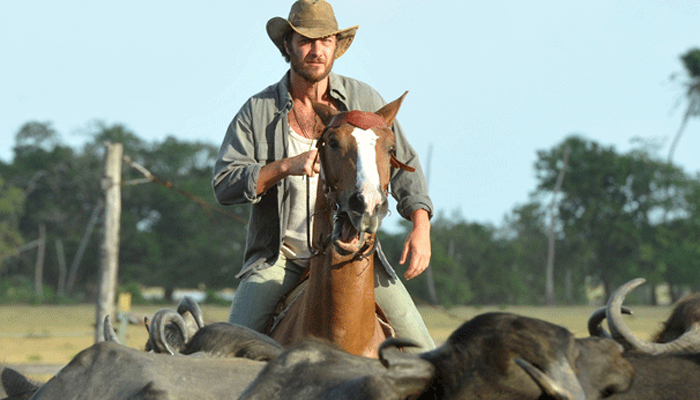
[(366, 213), (352, 222)]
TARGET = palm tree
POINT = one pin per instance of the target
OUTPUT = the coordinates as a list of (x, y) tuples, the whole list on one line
[(691, 61)]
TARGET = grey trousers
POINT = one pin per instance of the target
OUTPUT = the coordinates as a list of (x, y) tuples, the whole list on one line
[(258, 294)]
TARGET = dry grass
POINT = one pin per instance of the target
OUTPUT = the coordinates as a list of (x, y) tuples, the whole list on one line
[(55, 334)]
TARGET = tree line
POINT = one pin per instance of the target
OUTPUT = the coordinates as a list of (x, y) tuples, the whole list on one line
[(598, 217)]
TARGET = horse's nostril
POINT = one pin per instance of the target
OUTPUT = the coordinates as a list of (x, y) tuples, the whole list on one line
[(357, 202)]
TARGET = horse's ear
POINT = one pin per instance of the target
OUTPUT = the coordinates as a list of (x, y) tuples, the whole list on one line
[(389, 111), (325, 112)]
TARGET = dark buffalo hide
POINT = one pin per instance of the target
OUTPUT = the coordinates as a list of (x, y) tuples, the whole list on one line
[(111, 371), (663, 377), (667, 368), (318, 370), (493, 356), (16, 386), (483, 360)]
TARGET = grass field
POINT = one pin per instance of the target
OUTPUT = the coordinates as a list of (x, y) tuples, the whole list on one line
[(55, 334)]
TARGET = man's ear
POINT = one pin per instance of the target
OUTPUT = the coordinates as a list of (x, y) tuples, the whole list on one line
[(285, 44)]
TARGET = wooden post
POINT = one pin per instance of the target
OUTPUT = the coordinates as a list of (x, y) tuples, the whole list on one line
[(111, 184), (549, 268), (39, 266), (61, 260), (123, 309)]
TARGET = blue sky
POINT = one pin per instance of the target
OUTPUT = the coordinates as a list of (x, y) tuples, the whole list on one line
[(489, 83)]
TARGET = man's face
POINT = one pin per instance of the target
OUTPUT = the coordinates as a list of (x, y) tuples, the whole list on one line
[(312, 59)]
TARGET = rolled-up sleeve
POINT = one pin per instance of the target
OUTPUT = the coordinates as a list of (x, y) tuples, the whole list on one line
[(409, 188), (239, 162)]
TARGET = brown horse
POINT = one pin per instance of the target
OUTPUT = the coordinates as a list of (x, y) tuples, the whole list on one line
[(356, 152)]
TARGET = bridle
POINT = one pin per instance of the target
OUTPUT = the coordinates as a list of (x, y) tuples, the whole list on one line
[(363, 120), (366, 248)]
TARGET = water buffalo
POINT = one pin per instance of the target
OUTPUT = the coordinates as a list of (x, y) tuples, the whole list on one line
[(667, 368), (220, 339), (108, 370), (16, 386), (493, 356), (315, 369), (184, 331), (507, 356), (212, 361), (680, 333), (169, 330)]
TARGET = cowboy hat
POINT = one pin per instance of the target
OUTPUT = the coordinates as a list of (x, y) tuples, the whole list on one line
[(313, 19)]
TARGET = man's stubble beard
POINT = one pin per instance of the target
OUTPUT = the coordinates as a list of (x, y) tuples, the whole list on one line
[(298, 67)]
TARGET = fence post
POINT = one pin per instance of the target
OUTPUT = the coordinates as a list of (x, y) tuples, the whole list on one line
[(39, 266), (111, 184)]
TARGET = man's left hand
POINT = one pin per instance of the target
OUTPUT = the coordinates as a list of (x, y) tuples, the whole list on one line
[(417, 245)]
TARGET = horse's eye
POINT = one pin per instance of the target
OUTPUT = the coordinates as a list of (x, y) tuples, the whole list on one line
[(333, 144)]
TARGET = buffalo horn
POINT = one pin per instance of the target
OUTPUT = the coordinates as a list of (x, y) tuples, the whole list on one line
[(407, 373), (189, 306), (389, 357), (596, 319), (689, 342), (157, 330), (550, 386), (108, 331)]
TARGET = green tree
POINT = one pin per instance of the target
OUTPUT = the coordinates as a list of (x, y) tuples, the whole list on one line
[(691, 62), (526, 232), (171, 234), (60, 186), (608, 205), (677, 247), (11, 209)]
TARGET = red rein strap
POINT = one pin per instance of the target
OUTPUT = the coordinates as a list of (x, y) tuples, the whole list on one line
[(361, 119)]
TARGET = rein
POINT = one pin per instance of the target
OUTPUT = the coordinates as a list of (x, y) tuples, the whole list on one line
[(312, 250), (366, 248)]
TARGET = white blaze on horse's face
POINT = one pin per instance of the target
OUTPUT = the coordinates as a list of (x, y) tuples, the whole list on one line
[(368, 183)]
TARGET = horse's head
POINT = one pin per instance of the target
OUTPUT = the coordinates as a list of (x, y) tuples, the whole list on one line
[(356, 152)]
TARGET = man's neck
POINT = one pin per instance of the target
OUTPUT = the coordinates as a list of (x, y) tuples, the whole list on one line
[(306, 91)]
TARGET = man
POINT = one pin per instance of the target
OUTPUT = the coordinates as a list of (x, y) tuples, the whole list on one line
[(269, 152)]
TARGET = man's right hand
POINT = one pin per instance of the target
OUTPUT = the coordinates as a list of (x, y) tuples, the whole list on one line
[(304, 164)]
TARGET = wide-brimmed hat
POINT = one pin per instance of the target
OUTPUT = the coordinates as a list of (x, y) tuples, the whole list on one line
[(313, 19)]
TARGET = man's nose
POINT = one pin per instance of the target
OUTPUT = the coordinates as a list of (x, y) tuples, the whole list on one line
[(316, 46)]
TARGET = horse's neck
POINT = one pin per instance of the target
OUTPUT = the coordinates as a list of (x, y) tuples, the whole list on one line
[(343, 286), (323, 217)]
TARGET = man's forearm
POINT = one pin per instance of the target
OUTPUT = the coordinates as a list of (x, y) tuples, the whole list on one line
[(420, 219), (302, 164), (272, 173)]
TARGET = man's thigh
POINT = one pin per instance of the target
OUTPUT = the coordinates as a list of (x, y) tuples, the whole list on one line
[(258, 294)]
